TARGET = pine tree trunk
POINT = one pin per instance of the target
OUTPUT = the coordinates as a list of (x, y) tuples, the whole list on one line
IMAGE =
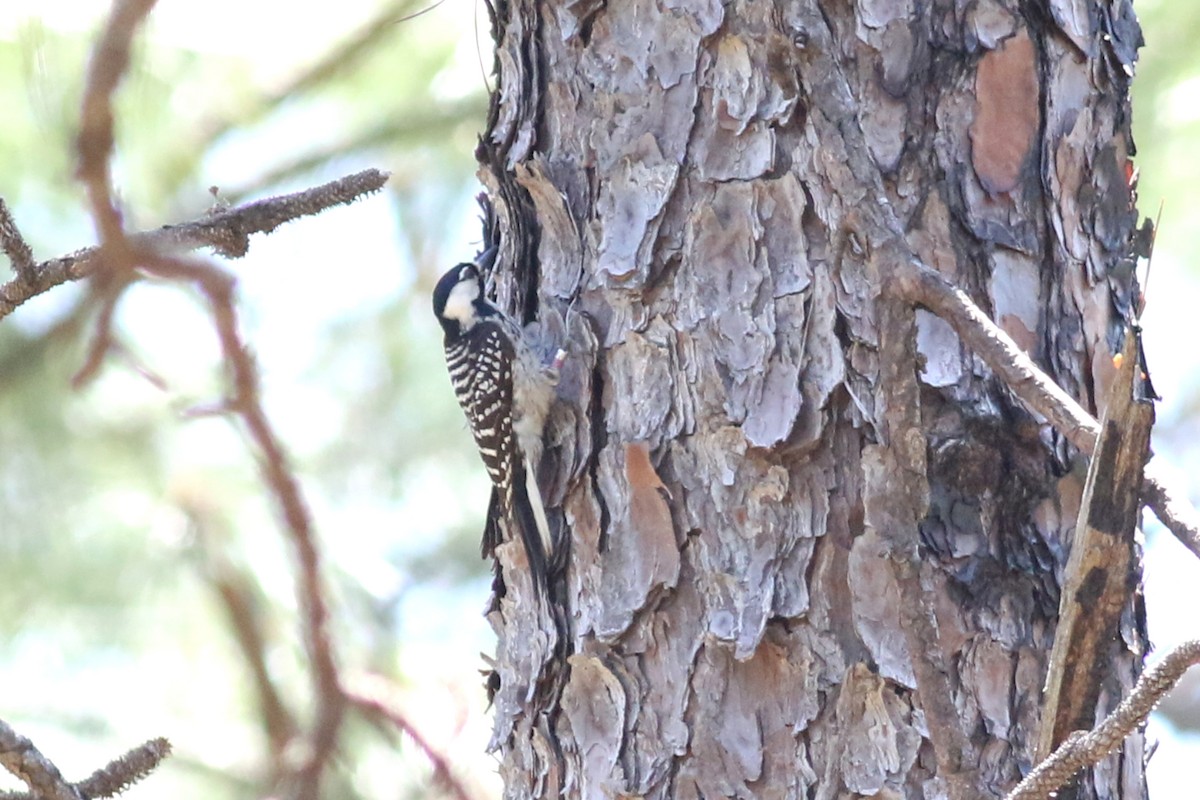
[(764, 597)]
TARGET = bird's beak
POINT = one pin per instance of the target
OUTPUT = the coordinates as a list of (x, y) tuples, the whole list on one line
[(487, 259)]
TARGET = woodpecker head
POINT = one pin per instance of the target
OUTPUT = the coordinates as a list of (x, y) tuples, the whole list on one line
[(455, 298), (458, 300)]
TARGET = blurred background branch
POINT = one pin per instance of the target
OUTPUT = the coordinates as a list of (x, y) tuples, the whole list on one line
[(158, 585)]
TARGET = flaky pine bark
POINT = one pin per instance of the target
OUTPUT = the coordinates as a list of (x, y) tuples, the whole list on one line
[(794, 570)]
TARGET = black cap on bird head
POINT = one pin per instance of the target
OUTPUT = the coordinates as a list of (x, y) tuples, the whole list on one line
[(458, 300)]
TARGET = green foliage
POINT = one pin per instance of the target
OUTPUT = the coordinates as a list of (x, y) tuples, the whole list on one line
[(1166, 119)]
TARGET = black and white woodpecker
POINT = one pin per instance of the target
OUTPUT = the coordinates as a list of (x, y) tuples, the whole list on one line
[(506, 392)]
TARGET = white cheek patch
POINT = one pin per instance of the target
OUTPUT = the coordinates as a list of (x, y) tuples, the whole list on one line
[(460, 305)]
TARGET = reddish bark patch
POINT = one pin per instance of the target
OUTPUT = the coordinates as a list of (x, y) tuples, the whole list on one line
[(1006, 113), (648, 509)]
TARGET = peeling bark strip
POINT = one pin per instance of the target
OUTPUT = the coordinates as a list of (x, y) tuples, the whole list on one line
[(806, 561), (1101, 574)]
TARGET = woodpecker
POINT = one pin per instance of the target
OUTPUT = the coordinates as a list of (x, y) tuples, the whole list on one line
[(506, 392)]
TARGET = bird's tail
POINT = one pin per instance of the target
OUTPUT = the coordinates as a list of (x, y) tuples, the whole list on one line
[(530, 516)]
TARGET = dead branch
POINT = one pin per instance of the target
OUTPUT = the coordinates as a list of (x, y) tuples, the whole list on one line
[(1085, 748), (19, 756), (121, 773), (925, 287), (1173, 510), (371, 695), (14, 244), (227, 233), (1098, 581)]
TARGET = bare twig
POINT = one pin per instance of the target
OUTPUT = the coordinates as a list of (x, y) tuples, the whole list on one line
[(126, 770), (139, 367), (228, 233), (19, 756), (14, 244), (1174, 511), (371, 695), (925, 287), (108, 781), (1083, 749)]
